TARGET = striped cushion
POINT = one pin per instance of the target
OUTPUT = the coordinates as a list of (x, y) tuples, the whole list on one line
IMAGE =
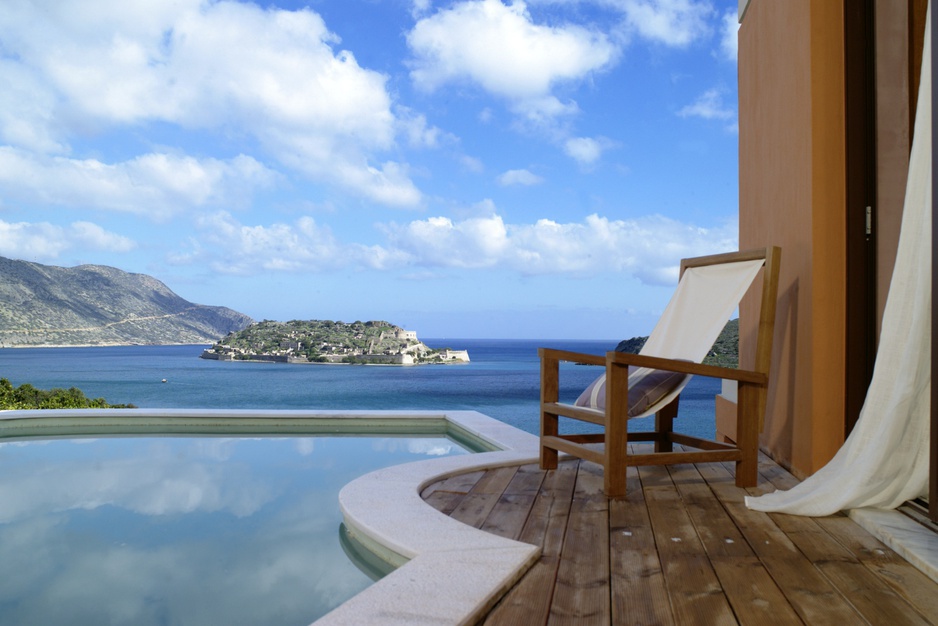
[(644, 393)]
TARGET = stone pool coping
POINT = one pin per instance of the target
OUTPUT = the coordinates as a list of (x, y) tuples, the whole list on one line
[(453, 573), (449, 573)]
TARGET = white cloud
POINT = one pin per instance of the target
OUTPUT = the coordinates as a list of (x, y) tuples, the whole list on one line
[(671, 22), (729, 44), (91, 236), (519, 177), (220, 67), (156, 185), (282, 247), (584, 150), (420, 7), (26, 110), (471, 164), (45, 242), (647, 247), (476, 242), (708, 106), (500, 48), (304, 246), (418, 133)]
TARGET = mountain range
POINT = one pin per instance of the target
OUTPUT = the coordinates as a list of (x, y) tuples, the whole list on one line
[(46, 305)]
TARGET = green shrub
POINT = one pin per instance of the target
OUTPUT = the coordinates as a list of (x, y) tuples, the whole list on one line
[(28, 397)]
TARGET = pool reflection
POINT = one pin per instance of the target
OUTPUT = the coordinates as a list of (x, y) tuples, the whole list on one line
[(173, 530)]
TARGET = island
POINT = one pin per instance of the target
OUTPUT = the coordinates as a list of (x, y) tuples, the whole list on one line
[(323, 341)]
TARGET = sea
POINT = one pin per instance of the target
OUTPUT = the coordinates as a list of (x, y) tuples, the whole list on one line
[(501, 380)]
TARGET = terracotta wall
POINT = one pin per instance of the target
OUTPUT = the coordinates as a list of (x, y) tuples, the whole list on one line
[(792, 194)]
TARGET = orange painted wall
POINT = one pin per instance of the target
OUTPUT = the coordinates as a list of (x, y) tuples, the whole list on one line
[(793, 194)]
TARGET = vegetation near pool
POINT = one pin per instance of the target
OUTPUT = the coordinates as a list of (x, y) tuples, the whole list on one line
[(28, 397)]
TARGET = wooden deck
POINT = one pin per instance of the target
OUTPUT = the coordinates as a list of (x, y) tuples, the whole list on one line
[(682, 548)]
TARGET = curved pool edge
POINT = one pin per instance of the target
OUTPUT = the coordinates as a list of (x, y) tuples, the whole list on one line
[(453, 572)]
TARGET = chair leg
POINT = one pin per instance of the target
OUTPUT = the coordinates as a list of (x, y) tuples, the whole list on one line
[(616, 447), (664, 426), (747, 436), (550, 392), (549, 427), (616, 450)]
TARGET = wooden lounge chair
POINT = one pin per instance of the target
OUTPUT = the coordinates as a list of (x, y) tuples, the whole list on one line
[(659, 372)]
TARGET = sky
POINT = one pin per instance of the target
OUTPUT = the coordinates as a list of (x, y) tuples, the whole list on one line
[(464, 169)]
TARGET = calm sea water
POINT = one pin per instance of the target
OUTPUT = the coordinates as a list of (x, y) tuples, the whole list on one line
[(501, 381)]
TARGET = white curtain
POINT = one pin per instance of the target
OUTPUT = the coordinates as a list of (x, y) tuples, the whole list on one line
[(884, 462)]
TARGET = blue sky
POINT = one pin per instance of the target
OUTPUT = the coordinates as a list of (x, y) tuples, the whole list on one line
[(474, 168)]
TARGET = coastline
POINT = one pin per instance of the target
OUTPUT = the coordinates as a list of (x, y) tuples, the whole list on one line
[(362, 359), (330, 363), (98, 345)]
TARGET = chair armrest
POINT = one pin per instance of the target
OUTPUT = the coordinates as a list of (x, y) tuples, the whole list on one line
[(575, 357), (687, 367)]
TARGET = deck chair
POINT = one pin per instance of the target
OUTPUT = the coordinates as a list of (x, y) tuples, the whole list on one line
[(637, 385)]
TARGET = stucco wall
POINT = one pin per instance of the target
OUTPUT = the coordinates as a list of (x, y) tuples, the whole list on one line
[(792, 194)]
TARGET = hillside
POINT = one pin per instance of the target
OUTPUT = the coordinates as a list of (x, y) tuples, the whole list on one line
[(42, 305), (725, 351)]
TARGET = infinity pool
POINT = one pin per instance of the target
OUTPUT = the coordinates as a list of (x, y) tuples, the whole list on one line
[(219, 529)]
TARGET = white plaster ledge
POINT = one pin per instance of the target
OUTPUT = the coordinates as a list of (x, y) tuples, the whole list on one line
[(455, 573), (909, 539)]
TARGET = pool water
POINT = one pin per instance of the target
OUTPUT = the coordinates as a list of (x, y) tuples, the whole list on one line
[(183, 529)]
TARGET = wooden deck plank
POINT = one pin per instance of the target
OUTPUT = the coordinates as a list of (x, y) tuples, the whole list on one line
[(752, 592), (682, 548), (528, 602), (527, 481), (508, 516), (750, 589), (715, 528), (444, 501), (904, 578), (810, 594), (639, 593), (557, 496), (458, 483), (871, 598), (445, 495), (693, 587), (476, 505), (695, 592), (581, 594)]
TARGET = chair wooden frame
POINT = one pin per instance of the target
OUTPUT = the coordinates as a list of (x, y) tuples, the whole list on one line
[(614, 455)]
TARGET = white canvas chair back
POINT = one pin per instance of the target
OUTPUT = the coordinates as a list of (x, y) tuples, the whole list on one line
[(702, 304)]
